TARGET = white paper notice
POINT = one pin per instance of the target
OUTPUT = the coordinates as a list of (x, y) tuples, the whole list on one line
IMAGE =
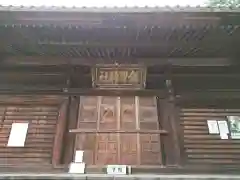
[(213, 127), (77, 168), (224, 136), (223, 127), (78, 156), (18, 135)]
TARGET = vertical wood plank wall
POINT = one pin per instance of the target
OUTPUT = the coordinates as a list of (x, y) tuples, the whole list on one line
[(42, 114), (202, 148)]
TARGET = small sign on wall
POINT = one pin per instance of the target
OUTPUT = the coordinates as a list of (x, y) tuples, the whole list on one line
[(218, 127), (117, 169), (18, 135), (234, 122), (77, 168), (78, 156), (119, 76), (213, 127), (223, 128)]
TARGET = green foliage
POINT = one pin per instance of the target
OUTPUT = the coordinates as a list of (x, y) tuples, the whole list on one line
[(224, 3)]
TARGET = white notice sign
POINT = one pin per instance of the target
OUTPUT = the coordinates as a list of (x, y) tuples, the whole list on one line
[(223, 127), (77, 168), (213, 127), (116, 169), (224, 136), (18, 135), (78, 156)]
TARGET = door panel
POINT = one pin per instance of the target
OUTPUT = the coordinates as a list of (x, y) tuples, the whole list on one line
[(124, 114), (128, 113), (129, 149), (150, 149), (88, 116), (107, 149), (108, 113), (150, 143)]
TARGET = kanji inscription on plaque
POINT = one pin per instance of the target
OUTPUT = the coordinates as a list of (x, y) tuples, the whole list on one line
[(119, 76)]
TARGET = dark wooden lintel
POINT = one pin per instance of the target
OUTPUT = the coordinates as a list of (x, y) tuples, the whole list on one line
[(53, 61), (197, 75), (77, 131), (201, 95), (161, 93)]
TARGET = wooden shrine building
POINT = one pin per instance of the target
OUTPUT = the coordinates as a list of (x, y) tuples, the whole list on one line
[(154, 88)]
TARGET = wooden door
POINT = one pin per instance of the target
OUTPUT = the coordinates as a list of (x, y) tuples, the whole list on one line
[(107, 143), (114, 122), (129, 145)]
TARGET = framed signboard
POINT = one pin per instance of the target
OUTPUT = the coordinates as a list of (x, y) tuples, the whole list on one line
[(119, 76)]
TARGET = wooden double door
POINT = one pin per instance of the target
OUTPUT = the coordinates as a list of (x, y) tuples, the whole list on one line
[(117, 130)]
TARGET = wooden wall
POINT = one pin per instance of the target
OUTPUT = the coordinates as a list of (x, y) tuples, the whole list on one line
[(202, 148), (42, 114)]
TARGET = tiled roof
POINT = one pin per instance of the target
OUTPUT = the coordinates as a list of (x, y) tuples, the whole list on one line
[(121, 9)]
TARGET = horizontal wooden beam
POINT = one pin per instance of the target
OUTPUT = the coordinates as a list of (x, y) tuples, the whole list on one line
[(51, 61), (193, 75), (205, 95), (161, 93), (77, 131)]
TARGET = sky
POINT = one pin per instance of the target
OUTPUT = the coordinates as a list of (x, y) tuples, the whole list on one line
[(101, 3)]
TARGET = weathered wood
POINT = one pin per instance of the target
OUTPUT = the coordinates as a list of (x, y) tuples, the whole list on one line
[(79, 91), (40, 61), (202, 147), (71, 123), (40, 137), (169, 122), (113, 133), (59, 134), (30, 99), (210, 95), (78, 131)]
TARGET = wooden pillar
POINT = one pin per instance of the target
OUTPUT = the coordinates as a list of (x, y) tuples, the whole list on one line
[(59, 135), (72, 124), (170, 122), (170, 142)]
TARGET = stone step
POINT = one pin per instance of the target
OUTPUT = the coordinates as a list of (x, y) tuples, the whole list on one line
[(67, 176)]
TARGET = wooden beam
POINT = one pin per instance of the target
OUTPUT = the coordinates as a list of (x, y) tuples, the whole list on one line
[(198, 75), (51, 61), (191, 95), (78, 131), (59, 135), (78, 91), (31, 99)]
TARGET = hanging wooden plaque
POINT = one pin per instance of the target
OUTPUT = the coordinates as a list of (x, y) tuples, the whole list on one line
[(119, 76)]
